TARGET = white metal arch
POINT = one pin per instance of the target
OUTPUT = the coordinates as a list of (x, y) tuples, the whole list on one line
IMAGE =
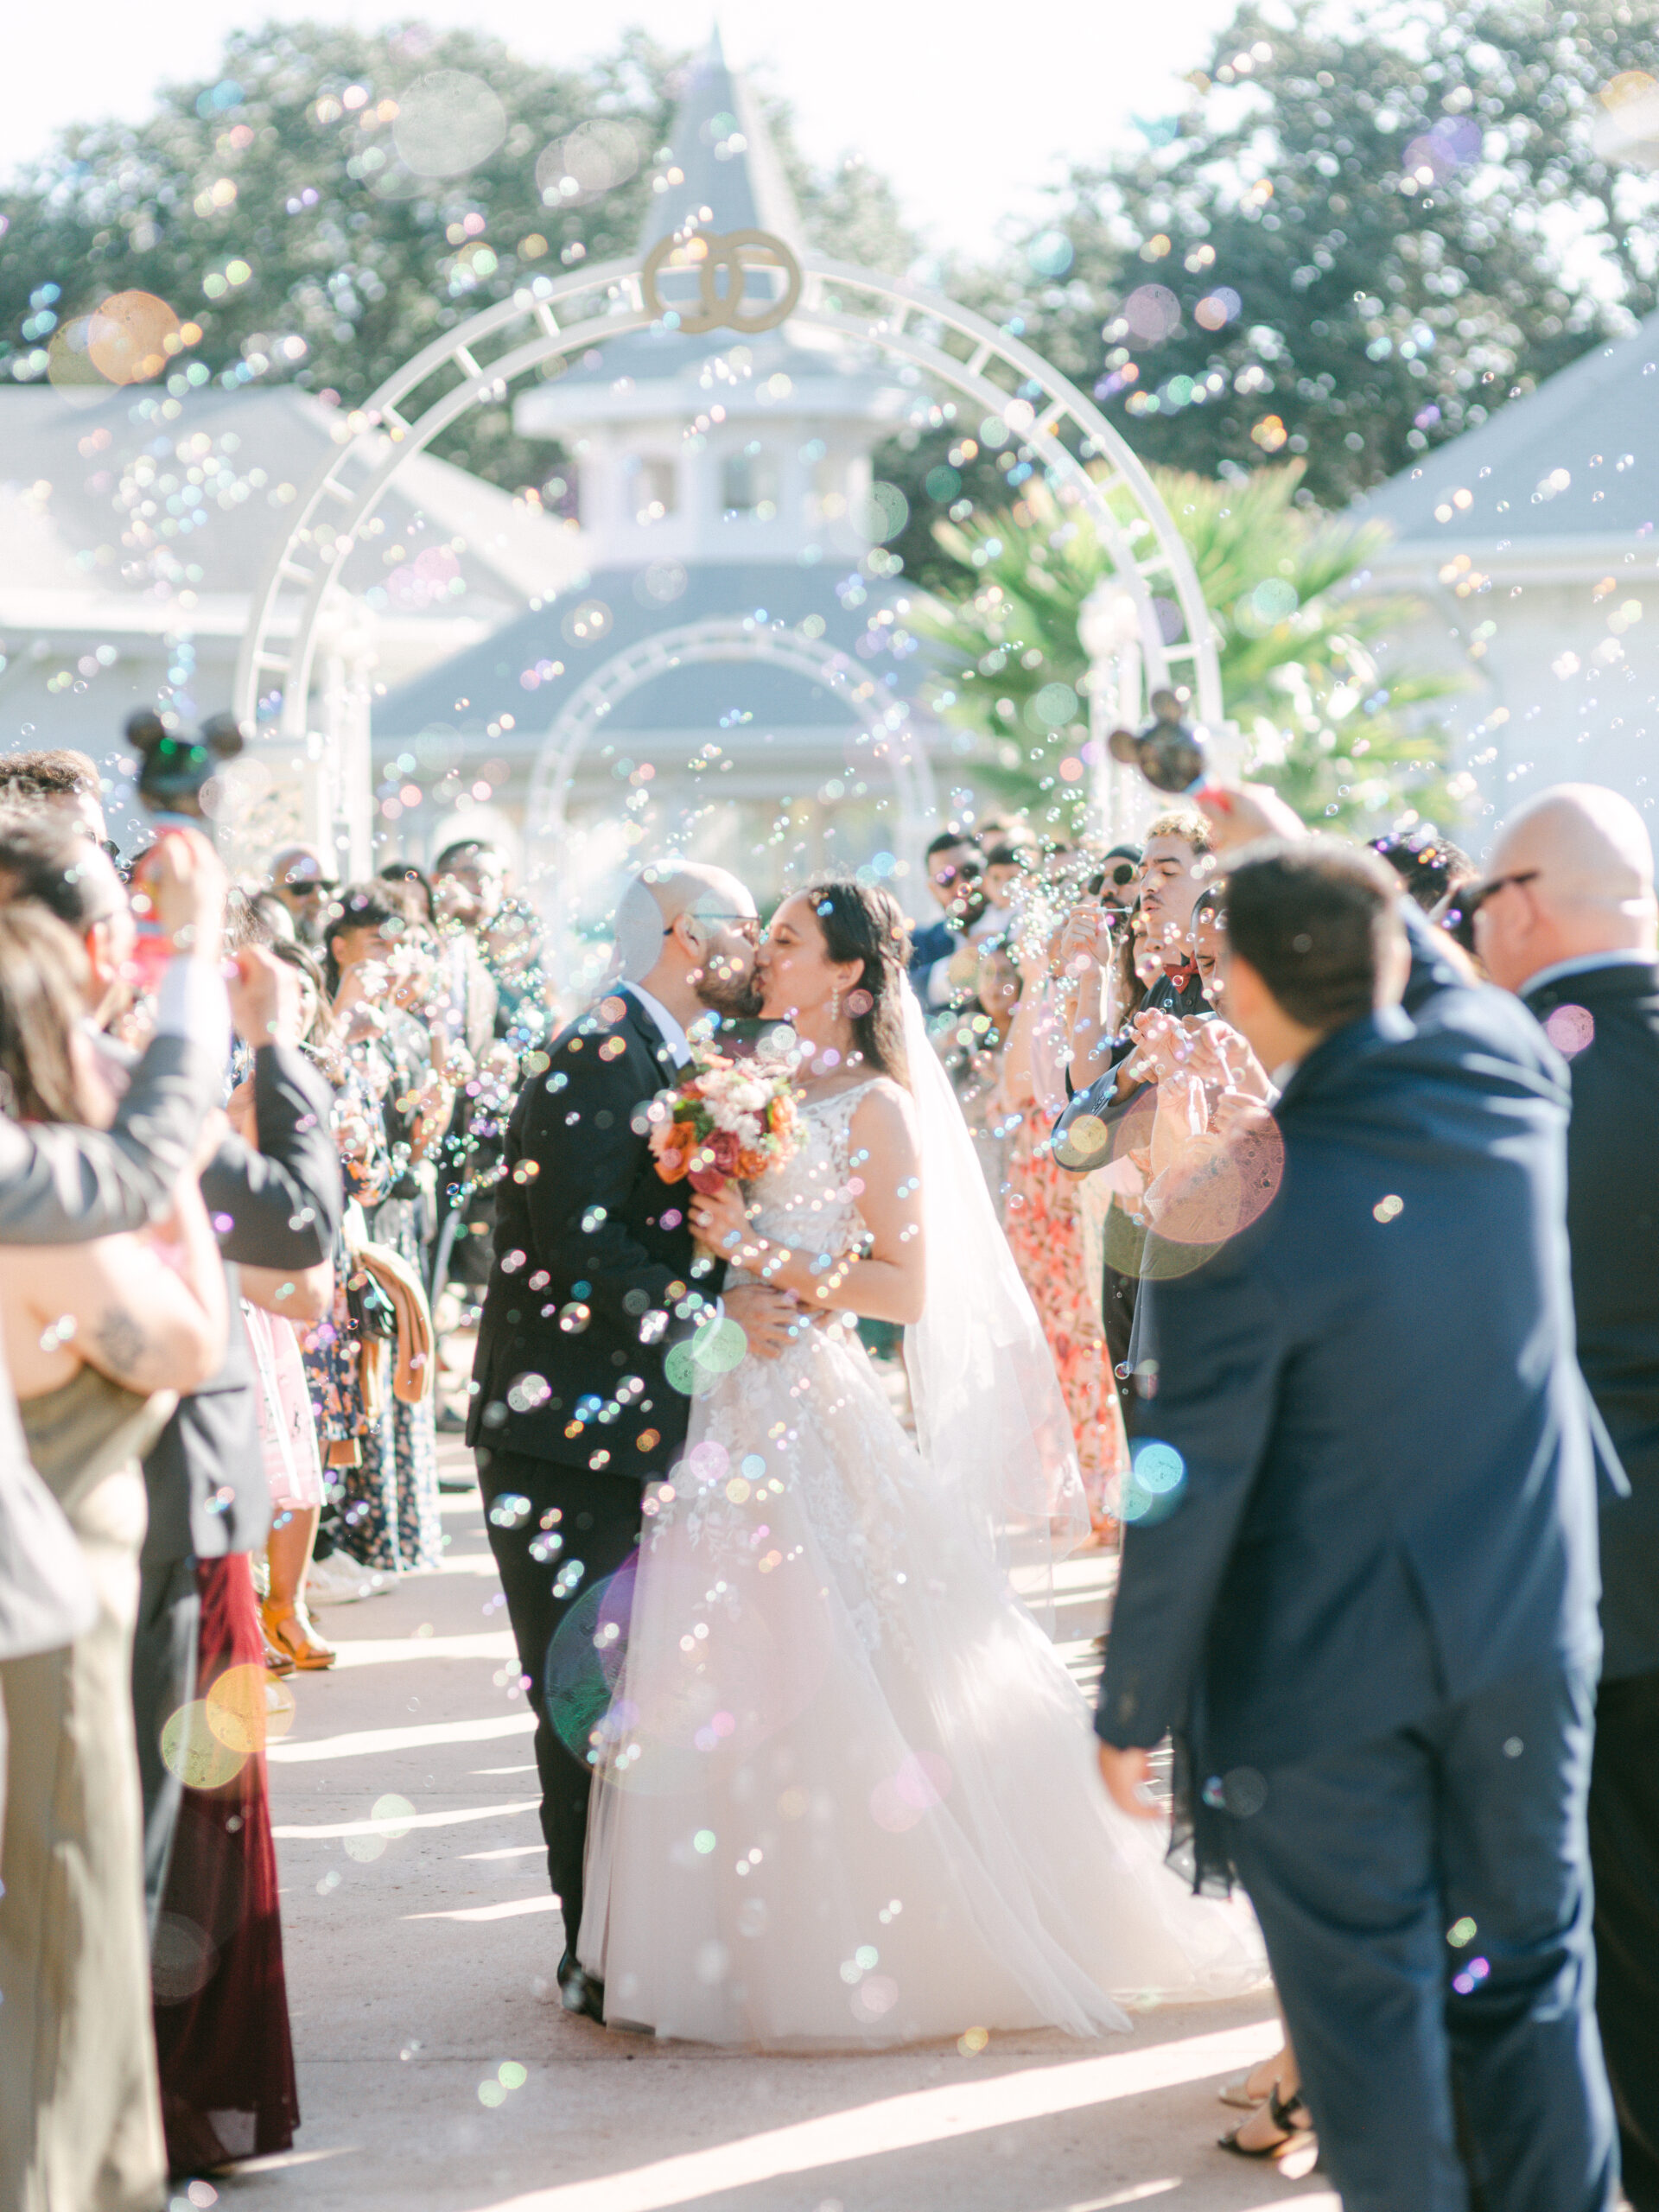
[(894, 744), (887, 314)]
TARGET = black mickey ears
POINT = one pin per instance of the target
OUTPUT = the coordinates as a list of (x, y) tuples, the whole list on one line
[(173, 767)]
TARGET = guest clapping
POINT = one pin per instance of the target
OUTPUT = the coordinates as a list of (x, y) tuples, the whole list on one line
[(1363, 1592)]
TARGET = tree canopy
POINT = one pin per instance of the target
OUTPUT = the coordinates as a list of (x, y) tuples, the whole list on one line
[(332, 198), (1364, 232), (1303, 665)]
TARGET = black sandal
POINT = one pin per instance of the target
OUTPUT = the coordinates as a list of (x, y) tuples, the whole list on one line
[(1290, 2117)]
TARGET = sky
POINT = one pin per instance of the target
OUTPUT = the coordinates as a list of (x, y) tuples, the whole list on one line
[(967, 115)]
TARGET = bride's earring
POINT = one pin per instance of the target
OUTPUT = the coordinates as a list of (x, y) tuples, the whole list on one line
[(835, 1004)]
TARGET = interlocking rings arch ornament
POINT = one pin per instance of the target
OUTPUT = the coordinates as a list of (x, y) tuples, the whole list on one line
[(558, 318), (733, 252)]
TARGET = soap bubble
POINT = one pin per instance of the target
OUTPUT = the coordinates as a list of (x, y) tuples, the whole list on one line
[(449, 121), (126, 336), (882, 514), (1153, 312), (1051, 253), (590, 161), (194, 1751), (183, 1957), (1570, 1029)]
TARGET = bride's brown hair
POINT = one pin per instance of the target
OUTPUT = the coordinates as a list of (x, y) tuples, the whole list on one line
[(861, 922)]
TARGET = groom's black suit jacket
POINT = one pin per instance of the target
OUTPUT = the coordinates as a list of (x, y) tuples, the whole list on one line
[(1612, 1219), (584, 1220)]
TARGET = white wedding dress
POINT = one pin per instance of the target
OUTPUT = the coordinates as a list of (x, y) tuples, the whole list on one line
[(849, 1793)]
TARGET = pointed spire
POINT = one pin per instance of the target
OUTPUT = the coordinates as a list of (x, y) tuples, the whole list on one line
[(727, 160)]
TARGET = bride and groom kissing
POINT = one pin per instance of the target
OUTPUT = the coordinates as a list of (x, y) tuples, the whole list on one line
[(847, 1791)]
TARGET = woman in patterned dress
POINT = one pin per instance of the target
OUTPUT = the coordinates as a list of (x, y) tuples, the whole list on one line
[(1043, 1221)]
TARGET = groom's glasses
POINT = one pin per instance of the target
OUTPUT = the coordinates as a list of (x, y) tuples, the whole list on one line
[(748, 925)]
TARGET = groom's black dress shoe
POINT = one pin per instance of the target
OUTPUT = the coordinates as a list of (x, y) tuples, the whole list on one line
[(580, 1991)]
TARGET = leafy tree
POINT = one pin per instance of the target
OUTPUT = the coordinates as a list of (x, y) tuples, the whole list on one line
[(273, 207), (1362, 236), (1368, 229), (1343, 739)]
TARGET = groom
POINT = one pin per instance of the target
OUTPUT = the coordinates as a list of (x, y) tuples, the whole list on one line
[(594, 1279)]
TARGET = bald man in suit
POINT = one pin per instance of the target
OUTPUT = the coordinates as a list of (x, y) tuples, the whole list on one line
[(1566, 918)]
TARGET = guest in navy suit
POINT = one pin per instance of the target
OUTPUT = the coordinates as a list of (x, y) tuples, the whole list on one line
[(1566, 918), (1363, 1592), (956, 876)]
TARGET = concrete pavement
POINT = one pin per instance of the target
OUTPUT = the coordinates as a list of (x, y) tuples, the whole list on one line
[(437, 2069)]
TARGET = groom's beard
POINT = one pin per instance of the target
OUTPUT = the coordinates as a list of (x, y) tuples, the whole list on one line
[(737, 998)]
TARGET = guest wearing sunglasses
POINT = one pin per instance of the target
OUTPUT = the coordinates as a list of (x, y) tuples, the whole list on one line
[(1567, 919)]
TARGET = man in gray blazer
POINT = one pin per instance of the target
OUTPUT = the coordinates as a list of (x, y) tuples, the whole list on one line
[(67, 1185)]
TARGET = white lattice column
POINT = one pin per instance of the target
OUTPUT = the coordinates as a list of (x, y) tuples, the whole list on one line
[(339, 776), (1109, 630)]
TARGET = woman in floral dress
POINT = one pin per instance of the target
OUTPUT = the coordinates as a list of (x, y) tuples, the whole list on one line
[(1045, 1230)]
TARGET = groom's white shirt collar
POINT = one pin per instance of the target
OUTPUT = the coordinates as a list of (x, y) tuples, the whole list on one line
[(672, 1035)]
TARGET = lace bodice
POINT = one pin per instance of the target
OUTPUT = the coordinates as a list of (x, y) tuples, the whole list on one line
[(812, 1203)]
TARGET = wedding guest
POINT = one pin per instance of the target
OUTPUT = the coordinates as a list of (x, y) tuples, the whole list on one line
[(45, 856), (1107, 1079), (1176, 863), (277, 919), (469, 881), (973, 1057), (1007, 866), (1114, 884), (293, 1465), (93, 1332), (1566, 916), (302, 880), (1367, 1607), (391, 1515), (414, 881), (63, 782), (222, 2032), (65, 1185), (1043, 1221), (1428, 866), (940, 966), (951, 860), (275, 1206)]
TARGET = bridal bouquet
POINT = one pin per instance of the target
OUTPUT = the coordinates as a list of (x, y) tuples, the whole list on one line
[(722, 1123)]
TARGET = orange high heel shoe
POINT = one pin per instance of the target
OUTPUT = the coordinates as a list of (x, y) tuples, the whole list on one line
[(289, 1631)]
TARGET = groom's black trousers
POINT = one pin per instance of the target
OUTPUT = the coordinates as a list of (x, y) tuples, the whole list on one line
[(600, 1517), (1425, 1901)]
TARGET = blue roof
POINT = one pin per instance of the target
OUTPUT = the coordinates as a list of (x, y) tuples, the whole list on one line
[(1574, 459), (492, 677)]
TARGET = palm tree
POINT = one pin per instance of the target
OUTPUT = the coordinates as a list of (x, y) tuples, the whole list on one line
[(1344, 739)]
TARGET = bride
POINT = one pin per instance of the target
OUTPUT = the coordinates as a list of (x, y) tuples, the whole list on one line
[(849, 1790)]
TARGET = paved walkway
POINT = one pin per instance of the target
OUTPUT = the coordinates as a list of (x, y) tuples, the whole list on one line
[(437, 2070)]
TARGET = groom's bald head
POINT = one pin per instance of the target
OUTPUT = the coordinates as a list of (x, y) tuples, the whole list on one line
[(685, 926), (658, 898)]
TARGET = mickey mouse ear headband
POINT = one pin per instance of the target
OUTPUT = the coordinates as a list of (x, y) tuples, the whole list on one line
[(174, 767), (1168, 751)]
